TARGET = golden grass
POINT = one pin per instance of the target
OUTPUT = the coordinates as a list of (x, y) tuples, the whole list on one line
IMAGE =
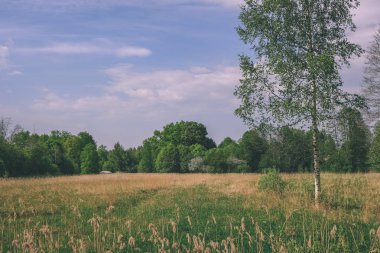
[(346, 197), (106, 187)]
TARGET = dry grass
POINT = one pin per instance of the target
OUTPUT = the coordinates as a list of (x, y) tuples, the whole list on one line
[(116, 212)]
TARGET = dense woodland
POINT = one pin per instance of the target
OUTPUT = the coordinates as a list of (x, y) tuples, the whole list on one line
[(346, 146)]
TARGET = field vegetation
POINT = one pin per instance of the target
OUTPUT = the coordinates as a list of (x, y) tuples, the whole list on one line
[(190, 213)]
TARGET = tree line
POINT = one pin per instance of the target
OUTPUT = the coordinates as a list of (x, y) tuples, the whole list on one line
[(185, 147)]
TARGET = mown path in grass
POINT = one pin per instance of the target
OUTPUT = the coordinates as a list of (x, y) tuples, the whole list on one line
[(196, 213)]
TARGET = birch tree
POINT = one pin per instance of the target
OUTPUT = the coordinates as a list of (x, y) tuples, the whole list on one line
[(292, 77)]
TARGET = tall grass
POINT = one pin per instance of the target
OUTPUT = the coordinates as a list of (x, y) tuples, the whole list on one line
[(189, 213)]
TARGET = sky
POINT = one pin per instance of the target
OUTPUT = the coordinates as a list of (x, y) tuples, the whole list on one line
[(120, 69)]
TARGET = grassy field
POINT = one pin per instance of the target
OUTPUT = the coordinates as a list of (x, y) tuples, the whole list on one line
[(189, 213)]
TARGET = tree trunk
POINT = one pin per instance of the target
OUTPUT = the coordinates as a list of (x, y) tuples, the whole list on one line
[(317, 169), (314, 110)]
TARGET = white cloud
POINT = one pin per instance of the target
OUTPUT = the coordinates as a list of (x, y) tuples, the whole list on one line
[(142, 101), (5, 66), (4, 54), (166, 86), (133, 51), (154, 89), (96, 47), (58, 5)]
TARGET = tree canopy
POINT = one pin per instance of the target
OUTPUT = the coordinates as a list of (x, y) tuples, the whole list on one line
[(293, 78)]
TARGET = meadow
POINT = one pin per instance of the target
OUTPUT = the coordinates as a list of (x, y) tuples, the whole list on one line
[(190, 213)]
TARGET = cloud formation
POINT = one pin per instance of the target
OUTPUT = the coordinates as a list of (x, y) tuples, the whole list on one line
[(88, 48), (174, 85), (4, 53), (5, 66), (75, 4), (128, 88), (142, 101)]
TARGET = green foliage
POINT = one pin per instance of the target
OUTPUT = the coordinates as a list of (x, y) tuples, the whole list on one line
[(103, 157), (374, 153), (120, 159), (237, 165), (146, 153), (356, 142), (251, 149), (2, 168), (289, 150), (185, 133), (89, 159), (185, 156), (168, 160), (298, 54), (299, 49), (272, 181), (197, 150), (216, 160)]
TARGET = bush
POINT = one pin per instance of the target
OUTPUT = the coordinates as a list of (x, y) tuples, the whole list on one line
[(196, 165), (272, 181)]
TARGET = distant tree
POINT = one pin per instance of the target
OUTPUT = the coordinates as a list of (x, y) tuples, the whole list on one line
[(86, 138), (237, 165), (168, 159), (226, 142), (38, 160), (185, 156), (147, 157), (5, 124), (372, 77), (197, 150), (356, 140), (73, 149), (296, 149), (230, 147), (74, 145), (300, 47), (374, 153), (89, 159), (132, 159), (55, 143), (251, 148), (329, 152), (103, 157), (117, 157), (216, 161), (185, 133), (289, 151), (2, 168)]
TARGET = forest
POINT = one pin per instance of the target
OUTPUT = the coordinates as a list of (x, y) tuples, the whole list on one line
[(347, 145)]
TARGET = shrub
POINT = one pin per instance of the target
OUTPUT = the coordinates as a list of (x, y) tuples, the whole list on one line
[(271, 181), (196, 165)]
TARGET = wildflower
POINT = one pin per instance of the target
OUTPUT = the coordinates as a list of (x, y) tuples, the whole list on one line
[(333, 231), (283, 249), (131, 241)]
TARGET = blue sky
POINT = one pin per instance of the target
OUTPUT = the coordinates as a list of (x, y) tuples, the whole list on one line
[(120, 69)]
